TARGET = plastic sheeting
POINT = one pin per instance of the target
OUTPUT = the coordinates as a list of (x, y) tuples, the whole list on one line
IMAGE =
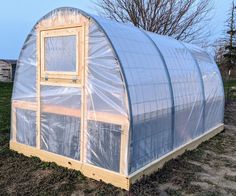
[(149, 90), (26, 124), (213, 87), (25, 75), (157, 128), (187, 89), (105, 95), (60, 53), (60, 134), (169, 91)]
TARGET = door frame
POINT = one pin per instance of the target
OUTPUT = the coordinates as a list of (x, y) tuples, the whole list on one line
[(68, 79)]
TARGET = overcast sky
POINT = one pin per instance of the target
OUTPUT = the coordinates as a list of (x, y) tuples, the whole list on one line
[(17, 17)]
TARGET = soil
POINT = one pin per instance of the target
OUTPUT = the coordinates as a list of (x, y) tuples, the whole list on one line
[(208, 170)]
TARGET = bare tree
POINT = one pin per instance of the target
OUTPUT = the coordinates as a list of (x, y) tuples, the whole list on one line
[(225, 48), (226, 51), (182, 19)]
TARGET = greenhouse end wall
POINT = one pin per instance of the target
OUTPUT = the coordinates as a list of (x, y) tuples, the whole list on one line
[(165, 92), (104, 93)]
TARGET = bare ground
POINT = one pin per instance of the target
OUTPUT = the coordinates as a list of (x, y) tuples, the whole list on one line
[(208, 170)]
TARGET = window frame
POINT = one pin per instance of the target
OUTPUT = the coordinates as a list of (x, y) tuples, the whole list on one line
[(62, 76)]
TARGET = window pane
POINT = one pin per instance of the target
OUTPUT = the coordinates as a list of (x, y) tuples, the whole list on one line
[(60, 53)]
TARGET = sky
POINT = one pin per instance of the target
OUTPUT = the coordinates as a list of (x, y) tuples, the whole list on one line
[(18, 17)]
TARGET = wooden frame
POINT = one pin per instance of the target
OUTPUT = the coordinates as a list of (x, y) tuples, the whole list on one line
[(38, 90), (83, 132), (60, 110), (60, 77), (57, 78), (88, 170)]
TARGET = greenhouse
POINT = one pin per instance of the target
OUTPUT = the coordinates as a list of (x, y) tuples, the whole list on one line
[(109, 99)]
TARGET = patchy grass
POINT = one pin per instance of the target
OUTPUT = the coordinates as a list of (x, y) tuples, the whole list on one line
[(230, 83), (230, 90), (5, 106)]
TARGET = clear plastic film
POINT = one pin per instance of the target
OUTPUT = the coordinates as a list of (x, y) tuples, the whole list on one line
[(61, 52), (106, 98), (213, 87), (187, 89), (25, 76), (24, 119), (60, 128), (149, 91)]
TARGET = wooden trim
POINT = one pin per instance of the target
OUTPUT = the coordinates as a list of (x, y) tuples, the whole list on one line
[(107, 117), (84, 65), (42, 28), (61, 110), (62, 77), (60, 74), (158, 163), (88, 170), (60, 32), (124, 147), (57, 83), (61, 80), (24, 105), (86, 56), (38, 92), (13, 123)]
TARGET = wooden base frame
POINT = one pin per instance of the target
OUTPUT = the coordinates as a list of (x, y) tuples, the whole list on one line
[(116, 179), (88, 170)]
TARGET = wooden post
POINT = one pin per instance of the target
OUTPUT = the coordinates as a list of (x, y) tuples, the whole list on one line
[(124, 145), (38, 78), (124, 149), (13, 122), (84, 65)]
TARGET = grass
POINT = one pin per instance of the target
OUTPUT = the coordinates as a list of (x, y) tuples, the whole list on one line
[(231, 83), (5, 106), (230, 90)]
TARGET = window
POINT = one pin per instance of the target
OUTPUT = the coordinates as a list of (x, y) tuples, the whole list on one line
[(60, 55)]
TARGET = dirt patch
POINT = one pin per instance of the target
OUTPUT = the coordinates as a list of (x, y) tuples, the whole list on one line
[(208, 170), (30, 176)]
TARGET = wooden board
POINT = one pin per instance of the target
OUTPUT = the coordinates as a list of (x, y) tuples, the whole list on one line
[(88, 170), (38, 89), (84, 67), (124, 148), (62, 76), (62, 110), (13, 123)]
